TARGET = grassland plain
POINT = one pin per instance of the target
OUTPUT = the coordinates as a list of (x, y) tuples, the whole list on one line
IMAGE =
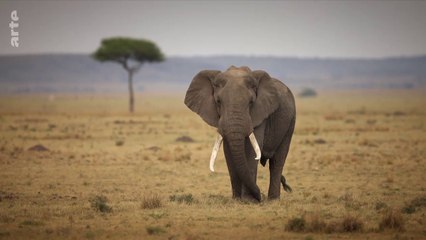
[(357, 167)]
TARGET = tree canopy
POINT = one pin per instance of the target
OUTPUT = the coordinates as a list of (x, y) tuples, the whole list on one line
[(121, 49)]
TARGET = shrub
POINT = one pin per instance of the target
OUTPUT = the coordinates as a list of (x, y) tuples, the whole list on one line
[(352, 224), (409, 209), (296, 224), (392, 220), (308, 92), (315, 224), (419, 201), (151, 201), (99, 203), (414, 205)]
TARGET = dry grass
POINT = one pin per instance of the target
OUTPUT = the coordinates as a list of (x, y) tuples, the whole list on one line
[(183, 198), (392, 219), (155, 230), (316, 224), (296, 224), (352, 224), (151, 201), (354, 156)]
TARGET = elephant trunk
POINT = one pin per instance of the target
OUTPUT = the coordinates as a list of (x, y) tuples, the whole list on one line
[(236, 141)]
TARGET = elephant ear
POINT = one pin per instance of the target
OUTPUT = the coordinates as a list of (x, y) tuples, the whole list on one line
[(267, 98), (199, 97)]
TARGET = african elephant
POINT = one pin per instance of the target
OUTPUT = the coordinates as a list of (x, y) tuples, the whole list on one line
[(255, 117)]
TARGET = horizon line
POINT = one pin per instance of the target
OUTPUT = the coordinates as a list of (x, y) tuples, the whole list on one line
[(235, 55)]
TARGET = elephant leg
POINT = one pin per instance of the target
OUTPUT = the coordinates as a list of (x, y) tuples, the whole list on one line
[(276, 165), (235, 181)]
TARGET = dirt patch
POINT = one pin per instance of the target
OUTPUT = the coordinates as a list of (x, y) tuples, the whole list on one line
[(7, 196), (38, 148), (153, 148), (320, 141), (184, 139)]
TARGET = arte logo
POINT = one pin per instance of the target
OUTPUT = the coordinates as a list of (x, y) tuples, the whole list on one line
[(14, 34)]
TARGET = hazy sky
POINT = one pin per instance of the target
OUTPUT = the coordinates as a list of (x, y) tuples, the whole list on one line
[(281, 28)]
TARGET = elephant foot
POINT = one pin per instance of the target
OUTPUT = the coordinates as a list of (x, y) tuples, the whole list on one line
[(273, 198), (251, 196), (247, 199)]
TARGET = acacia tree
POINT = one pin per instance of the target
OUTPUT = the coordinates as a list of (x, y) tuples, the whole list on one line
[(131, 54)]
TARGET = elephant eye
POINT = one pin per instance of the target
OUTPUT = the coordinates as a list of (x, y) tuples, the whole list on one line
[(218, 105), (219, 83), (252, 100)]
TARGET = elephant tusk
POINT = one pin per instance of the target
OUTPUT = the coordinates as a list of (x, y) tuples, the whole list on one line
[(255, 145), (216, 147)]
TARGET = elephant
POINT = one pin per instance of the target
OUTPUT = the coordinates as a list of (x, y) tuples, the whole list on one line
[(255, 117)]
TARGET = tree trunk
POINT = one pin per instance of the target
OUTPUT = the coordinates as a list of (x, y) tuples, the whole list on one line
[(131, 95)]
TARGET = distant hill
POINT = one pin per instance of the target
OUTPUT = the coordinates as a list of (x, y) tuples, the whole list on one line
[(80, 73)]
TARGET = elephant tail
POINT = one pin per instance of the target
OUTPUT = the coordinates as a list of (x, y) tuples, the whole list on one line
[(286, 187)]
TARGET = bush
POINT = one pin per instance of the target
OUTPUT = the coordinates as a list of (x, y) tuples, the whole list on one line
[(151, 201), (415, 204), (392, 220), (308, 92), (296, 224), (352, 224), (419, 202), (316, 224), (99, 203), (409, 209)]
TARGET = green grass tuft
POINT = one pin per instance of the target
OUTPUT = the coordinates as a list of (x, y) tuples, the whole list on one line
[(184, 198), (100, 203)]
